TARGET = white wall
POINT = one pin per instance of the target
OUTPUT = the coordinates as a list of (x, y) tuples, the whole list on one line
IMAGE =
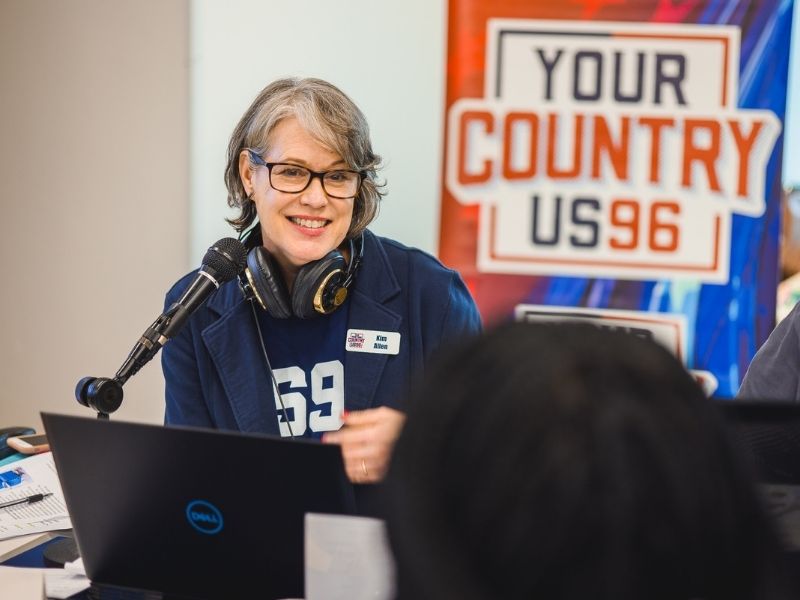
[(388, 56), (94, 194)]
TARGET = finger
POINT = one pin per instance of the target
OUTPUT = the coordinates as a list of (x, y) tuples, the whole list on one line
[(358, 471), (331, 437), (352, 473), (357, 418), (349, 428), (366, 471), (348, 436), (356, 452), (352, 457)]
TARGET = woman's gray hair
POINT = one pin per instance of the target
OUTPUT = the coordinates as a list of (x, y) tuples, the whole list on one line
[(330, 117)]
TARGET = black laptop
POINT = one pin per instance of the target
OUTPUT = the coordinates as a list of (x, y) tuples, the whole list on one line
[(190, 512), (768, 434)]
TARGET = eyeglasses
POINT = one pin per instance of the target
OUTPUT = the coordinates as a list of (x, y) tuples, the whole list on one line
[(292, 179)]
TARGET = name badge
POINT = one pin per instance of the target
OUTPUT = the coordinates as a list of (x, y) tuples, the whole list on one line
[(374, 342)]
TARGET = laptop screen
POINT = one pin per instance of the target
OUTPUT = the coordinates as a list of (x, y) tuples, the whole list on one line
[(193, 512)]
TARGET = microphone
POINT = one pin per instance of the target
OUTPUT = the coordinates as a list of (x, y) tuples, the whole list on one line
[(222, 262)]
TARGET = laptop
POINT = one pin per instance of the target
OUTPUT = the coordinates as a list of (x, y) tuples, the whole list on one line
[(193, 513)]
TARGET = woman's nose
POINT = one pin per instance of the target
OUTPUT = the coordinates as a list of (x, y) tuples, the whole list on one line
[(314, 195)]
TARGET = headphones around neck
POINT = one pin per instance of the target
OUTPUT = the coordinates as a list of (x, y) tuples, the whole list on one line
[(320, 287)]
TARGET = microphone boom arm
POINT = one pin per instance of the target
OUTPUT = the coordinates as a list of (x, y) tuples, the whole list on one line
[(223, 262)]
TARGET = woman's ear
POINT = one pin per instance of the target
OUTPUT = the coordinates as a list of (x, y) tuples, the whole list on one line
[(246, 173)]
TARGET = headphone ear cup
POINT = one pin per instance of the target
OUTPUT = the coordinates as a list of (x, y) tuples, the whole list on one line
[(267, 283), (321, 277)]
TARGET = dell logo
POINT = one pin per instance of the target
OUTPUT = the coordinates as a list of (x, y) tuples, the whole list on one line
[(204, 516)]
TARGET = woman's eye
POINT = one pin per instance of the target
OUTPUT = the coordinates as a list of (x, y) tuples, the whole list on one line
[(292, 172)]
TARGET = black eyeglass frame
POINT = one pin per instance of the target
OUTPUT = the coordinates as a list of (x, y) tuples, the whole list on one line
[(259, 160)]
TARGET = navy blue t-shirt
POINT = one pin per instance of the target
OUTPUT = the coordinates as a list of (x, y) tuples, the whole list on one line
[(307, 358)]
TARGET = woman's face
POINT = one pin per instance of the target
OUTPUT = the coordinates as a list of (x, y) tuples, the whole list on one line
[(301, 227)]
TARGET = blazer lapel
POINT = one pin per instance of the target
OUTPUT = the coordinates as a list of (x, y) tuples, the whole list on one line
[(376, 283), (233, 344)]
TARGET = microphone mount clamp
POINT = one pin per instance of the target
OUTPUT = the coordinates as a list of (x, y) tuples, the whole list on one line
[(103, 394)]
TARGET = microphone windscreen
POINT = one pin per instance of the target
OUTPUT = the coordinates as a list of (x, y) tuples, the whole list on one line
[(227, 258)]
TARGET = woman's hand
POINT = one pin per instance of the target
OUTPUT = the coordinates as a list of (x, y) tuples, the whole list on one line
[(367, 438)]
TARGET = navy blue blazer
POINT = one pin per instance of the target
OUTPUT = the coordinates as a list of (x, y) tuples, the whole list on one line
[(215, 371)]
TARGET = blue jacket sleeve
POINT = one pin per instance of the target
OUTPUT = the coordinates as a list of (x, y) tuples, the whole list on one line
[(461, 317)]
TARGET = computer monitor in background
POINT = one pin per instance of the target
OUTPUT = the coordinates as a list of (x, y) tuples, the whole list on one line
[(769, 434)]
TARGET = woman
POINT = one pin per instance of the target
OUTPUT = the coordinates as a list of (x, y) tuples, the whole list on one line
[(302, 173)]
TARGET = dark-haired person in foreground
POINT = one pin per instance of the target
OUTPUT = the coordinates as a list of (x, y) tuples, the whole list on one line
[(337, 318), (561, 462)]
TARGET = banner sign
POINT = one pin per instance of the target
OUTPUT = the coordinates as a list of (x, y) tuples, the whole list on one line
[(666, 329), (627, 164)]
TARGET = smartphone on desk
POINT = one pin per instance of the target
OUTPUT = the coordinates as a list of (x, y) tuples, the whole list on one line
[(29, 444)]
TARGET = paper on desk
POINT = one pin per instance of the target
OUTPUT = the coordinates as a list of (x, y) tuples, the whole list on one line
[(347, 558), (66, 582), (38, 476), (22, 584)]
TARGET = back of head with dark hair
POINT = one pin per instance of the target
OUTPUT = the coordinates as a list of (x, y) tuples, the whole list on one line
[(566, 462)]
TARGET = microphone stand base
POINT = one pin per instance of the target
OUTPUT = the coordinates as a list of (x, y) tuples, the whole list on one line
[(60, 552)]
